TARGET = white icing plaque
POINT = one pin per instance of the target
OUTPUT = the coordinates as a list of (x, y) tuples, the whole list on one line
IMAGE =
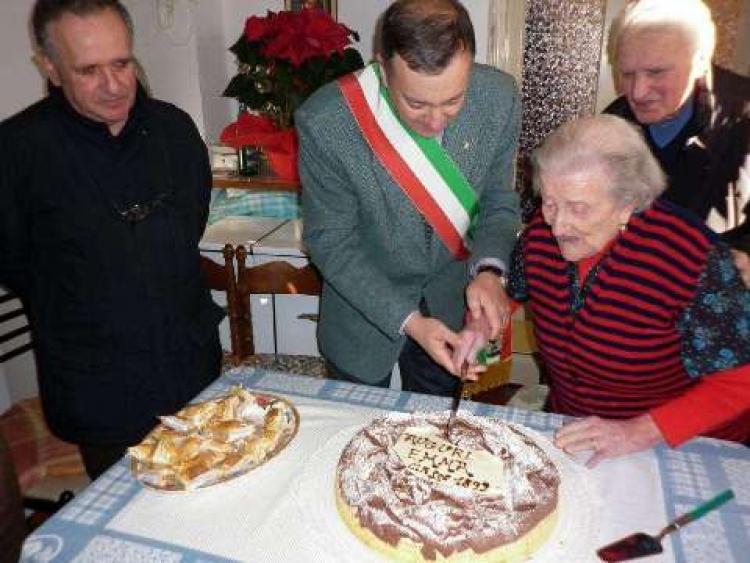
[(429, 456)]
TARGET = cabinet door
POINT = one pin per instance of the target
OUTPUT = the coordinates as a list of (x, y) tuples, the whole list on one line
[(296, 324), (284, 324)]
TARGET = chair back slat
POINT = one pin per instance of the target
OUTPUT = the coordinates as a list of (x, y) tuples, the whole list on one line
[(223, 278), (278, 277), (219, 277), (7, 334)]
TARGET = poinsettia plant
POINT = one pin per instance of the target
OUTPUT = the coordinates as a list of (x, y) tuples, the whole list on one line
[(285, 56)]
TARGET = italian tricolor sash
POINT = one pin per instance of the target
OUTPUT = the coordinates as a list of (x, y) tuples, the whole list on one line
[(419, 165)]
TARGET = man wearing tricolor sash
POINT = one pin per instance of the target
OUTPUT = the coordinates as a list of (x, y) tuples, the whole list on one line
[(408, 206)]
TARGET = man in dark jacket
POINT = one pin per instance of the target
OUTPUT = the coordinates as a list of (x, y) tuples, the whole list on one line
[(694, 116), (103, 198)]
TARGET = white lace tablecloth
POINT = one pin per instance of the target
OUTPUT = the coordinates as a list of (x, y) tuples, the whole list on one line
[(283, 511)]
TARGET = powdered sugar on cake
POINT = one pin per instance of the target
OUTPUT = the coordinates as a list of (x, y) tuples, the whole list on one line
[(448, 513)]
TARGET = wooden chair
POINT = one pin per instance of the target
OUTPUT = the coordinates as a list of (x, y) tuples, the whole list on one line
[(218, 277), (13, 527), (48, 471), (278, 278), (222, 278)]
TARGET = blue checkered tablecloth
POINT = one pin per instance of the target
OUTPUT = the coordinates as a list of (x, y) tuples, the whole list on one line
[(233, 203), (689, 476)]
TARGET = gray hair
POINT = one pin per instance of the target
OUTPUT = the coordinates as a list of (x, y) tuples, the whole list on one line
[(691, 18), (47, 11), (607, 143)]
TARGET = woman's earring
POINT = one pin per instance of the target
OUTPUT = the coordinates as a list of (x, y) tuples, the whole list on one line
[(623, 226)]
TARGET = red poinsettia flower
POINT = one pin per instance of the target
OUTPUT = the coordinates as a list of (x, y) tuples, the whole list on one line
[(257, 28), (331, 36), (298, 37), (283, 57)]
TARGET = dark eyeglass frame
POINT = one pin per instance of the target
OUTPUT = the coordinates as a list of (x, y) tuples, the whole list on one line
[(140, 211)]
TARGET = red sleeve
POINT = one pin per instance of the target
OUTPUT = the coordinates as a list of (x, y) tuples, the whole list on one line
[(718, 398)]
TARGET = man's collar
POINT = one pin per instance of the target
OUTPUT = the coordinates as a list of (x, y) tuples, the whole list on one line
[(135, 117)]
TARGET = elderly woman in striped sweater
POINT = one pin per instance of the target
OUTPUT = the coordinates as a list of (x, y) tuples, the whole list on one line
[(639, 312)]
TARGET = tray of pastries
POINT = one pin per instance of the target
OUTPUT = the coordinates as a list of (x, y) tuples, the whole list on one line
[(212, 442)]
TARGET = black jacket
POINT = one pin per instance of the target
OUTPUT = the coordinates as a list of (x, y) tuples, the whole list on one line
[(704, 161), (123, 323)]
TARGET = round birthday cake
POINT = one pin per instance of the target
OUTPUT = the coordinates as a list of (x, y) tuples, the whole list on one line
[(485, 491)]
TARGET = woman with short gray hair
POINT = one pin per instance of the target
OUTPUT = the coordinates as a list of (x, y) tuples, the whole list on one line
[(608, 142), (631, 298)]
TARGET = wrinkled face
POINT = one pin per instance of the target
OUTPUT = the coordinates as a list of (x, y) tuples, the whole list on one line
[(581, 213), (427, 103), (655, 72), (92, 61)]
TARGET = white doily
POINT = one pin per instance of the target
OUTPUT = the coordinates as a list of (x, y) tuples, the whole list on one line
[(574, 538)]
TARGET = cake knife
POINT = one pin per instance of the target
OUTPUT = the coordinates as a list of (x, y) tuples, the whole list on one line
[(486, 356), (457, 394)]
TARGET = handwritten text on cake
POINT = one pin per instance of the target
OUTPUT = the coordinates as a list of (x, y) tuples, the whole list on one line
[(425, 454)]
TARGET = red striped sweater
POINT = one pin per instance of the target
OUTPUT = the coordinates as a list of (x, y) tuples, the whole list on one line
[(620, 354)]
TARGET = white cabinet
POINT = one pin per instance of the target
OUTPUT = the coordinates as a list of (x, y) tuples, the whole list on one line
[(236, 231), (293, 317), (282, 324)]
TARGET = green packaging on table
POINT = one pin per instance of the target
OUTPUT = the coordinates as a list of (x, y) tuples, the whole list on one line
[(490, 354)]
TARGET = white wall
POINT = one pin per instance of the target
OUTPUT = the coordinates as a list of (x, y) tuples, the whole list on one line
[(187, 62), (21, 83), (166, 46), (606, 87)]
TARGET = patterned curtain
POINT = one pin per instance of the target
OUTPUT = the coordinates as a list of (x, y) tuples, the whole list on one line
[(562, 48)]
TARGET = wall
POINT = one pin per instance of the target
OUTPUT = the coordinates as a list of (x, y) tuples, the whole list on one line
[(189, 64), (21, 82), (606, 88), (184, 50), (167, 47), (221, 22)]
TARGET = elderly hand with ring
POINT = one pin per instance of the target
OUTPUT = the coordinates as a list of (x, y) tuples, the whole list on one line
[(607, 438)]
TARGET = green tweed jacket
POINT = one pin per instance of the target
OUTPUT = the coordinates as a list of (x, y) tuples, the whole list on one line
[(377, 258)]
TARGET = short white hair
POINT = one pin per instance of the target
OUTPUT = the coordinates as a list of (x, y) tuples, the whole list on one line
[(602, 143), (691, 18)]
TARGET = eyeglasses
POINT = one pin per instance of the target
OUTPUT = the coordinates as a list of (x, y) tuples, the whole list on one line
[(140, 211)]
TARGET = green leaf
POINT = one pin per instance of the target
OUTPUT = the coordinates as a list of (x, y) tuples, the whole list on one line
[(247, 52), (235, 87), (352, 60)]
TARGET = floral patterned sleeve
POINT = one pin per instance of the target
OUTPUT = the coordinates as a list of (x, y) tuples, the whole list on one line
[(517, 289), (716, 327)]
